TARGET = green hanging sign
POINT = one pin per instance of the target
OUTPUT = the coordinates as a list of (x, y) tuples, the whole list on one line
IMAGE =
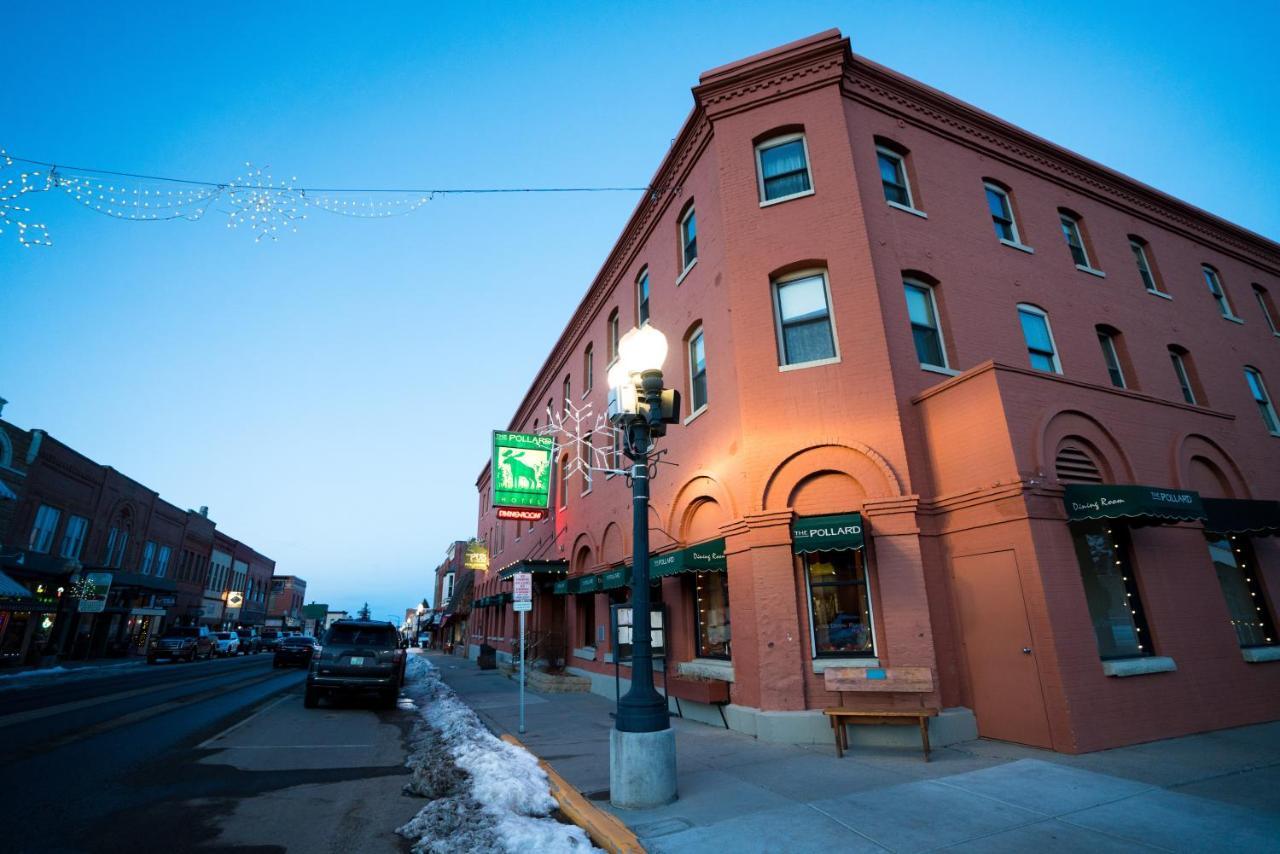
[(521, 470)]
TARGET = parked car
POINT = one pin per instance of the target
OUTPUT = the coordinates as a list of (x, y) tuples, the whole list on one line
[(249, 641), (293, 652), (358, 657), (182, 642), (226, 643), (271, 638)]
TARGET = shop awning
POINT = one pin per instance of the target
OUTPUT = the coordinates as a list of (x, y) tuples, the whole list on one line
[(561, 587), (704, 557), (1152, 504), (612, 579), (1242, 516), (584, 584), (553, 568), (13, 594), (839, 532)]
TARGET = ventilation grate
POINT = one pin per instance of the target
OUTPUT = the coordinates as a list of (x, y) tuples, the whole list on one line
[(1074, 465)]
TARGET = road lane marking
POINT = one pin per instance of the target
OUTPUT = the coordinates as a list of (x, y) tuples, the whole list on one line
[(49, 711), (207, 744)]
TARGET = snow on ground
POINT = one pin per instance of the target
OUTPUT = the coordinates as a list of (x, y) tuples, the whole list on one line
[(23, 677), (486, 795)]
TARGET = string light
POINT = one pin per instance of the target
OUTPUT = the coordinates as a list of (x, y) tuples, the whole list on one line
[(255, 201)]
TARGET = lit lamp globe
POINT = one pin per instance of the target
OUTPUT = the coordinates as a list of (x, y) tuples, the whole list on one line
[(643, 349)]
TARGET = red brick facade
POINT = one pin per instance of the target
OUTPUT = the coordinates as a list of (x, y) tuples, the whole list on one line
[(954, 471)]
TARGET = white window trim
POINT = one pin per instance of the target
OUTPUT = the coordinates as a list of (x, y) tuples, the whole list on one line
[(695, 415), (1180, 372), (871, 615), (686, 266), (773, 142), (1016, 243), (707, 668), (937, 320), (687, 270), (822, 665), (1021, 247), (688, 352), (1031, 309), (1139, 666), (1260, 654), (776, 284), (1087, 266), (1270, 402), (910, 206), (1092, 271), (1142, 248), (1160, 294), (1110, 346), (642, 276), (1260, 297), (1230, 313), (588, 370)]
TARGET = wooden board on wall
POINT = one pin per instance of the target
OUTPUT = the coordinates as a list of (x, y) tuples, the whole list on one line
[(915, 680)]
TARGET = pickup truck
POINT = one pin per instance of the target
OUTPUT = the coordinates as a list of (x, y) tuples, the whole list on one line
[(182, 643)]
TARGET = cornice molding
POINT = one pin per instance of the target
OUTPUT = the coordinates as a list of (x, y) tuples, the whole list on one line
[(909, 100)]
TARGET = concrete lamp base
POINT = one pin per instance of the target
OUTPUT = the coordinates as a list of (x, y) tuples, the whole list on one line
[(642, 769)]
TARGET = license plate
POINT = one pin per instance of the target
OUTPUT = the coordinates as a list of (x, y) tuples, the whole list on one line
[(356, 661)]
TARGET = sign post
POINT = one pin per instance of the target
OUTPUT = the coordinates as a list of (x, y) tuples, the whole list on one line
[(522, 601)]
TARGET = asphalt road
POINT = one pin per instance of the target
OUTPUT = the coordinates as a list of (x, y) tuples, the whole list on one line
[(130, 761)]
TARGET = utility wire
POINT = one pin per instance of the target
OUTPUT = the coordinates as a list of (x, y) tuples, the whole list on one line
[(453, 191)]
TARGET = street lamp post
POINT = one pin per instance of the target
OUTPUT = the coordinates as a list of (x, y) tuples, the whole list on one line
[(642, 747)]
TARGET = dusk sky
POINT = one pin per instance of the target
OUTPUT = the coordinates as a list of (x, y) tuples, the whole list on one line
[(330, 396)]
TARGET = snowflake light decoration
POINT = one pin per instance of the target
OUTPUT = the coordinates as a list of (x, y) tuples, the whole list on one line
[(13, 213), (263, 206), (577, 429)]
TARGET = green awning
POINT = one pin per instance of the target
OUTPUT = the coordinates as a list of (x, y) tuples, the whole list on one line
[(1149, 503), (840, 532), (539, 568), (1242, 516), (561, 587), (612, 579), (584, 584), (704, 557)]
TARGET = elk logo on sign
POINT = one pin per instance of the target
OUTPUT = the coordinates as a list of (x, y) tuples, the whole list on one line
[(519, 474)]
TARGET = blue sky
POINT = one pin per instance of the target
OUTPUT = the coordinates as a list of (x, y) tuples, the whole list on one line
[(330, 396)]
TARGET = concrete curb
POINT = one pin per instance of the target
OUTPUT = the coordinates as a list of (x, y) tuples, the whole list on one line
[(604, 829)]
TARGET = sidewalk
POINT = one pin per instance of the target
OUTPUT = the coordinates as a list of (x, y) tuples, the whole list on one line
[(1213, 792)]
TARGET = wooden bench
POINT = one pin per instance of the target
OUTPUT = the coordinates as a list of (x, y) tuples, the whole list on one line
[(878, 680)]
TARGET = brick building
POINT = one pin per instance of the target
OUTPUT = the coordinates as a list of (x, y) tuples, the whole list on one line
[(72, 517), (452, 595), (284, 605), (955, 398)]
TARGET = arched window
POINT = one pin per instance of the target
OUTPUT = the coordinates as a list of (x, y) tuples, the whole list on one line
[(1003, 218), (782, 168), (1039, 339), (688, 239), (895, 175), (802, 311), (642, 297), (563, 500), (697, 371), (1268, 309), (588, 369), (613, 336), (1146, 264), (1113, 354), (1266, 409), (1214, 280), (926, 328), (1185, 371), (1077, 240)]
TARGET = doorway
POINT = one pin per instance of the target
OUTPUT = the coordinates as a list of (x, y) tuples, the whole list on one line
[(1004, 678)]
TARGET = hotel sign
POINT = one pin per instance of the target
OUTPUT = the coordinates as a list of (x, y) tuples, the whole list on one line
[(521, 471)]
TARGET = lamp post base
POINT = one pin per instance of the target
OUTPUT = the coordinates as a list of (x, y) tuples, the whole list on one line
[(642, 769)]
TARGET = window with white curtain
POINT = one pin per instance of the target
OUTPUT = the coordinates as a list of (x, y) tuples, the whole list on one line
[(782, 165), (802, 307)]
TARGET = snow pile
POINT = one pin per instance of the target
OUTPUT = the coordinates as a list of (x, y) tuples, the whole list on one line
[(87, 672), (486, 794)]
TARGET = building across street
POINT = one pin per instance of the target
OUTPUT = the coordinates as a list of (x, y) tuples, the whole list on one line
[(957, 400)]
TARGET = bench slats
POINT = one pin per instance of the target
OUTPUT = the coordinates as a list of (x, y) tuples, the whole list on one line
[(894, 680)]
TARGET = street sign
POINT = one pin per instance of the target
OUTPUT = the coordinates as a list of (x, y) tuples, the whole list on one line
[(93, 595), (521, 470), (476, 556), (522, 593)]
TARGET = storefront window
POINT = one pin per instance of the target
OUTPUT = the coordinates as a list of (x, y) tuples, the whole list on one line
[(712, 604), (839, 603), (1111, 590), (1237, 573), (587, 619)]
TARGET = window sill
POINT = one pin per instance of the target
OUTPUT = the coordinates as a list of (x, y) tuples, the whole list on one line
[(814, 364), (586, 653), (1139, 666), (707, 668), (939, 369), (1021, 247), (782, 199), (907, 209), (1233, 319), (685, 272), (1160, 294), (693, 416), (1091, 271), (1259, 654), (821, 665)]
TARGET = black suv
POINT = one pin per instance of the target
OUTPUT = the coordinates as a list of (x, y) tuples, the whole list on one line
[(249, 641), (357, 657), (179, 642)]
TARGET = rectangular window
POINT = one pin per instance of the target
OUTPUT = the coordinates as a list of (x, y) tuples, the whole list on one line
[(613, 336), (1075, 242), (711, 602), (162, 561), (697, 371), (1111, 591), (1214, 282), (1184, 379), (566, 390), (804, 320), (1144, 268), (1264, 301), (688, 239), (588, 369), (839, 604), (148, 557), (587, 619), (1111, 358), (642, 299), (893, 176), (1040, 349), (584, 460), (117, 539), (924, 325), (1260, 397), (1237, 574), (1001, 213), (73, 537), (783, 165), (42, 530)]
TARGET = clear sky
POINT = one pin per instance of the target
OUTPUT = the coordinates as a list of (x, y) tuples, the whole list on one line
[(330, 396)]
